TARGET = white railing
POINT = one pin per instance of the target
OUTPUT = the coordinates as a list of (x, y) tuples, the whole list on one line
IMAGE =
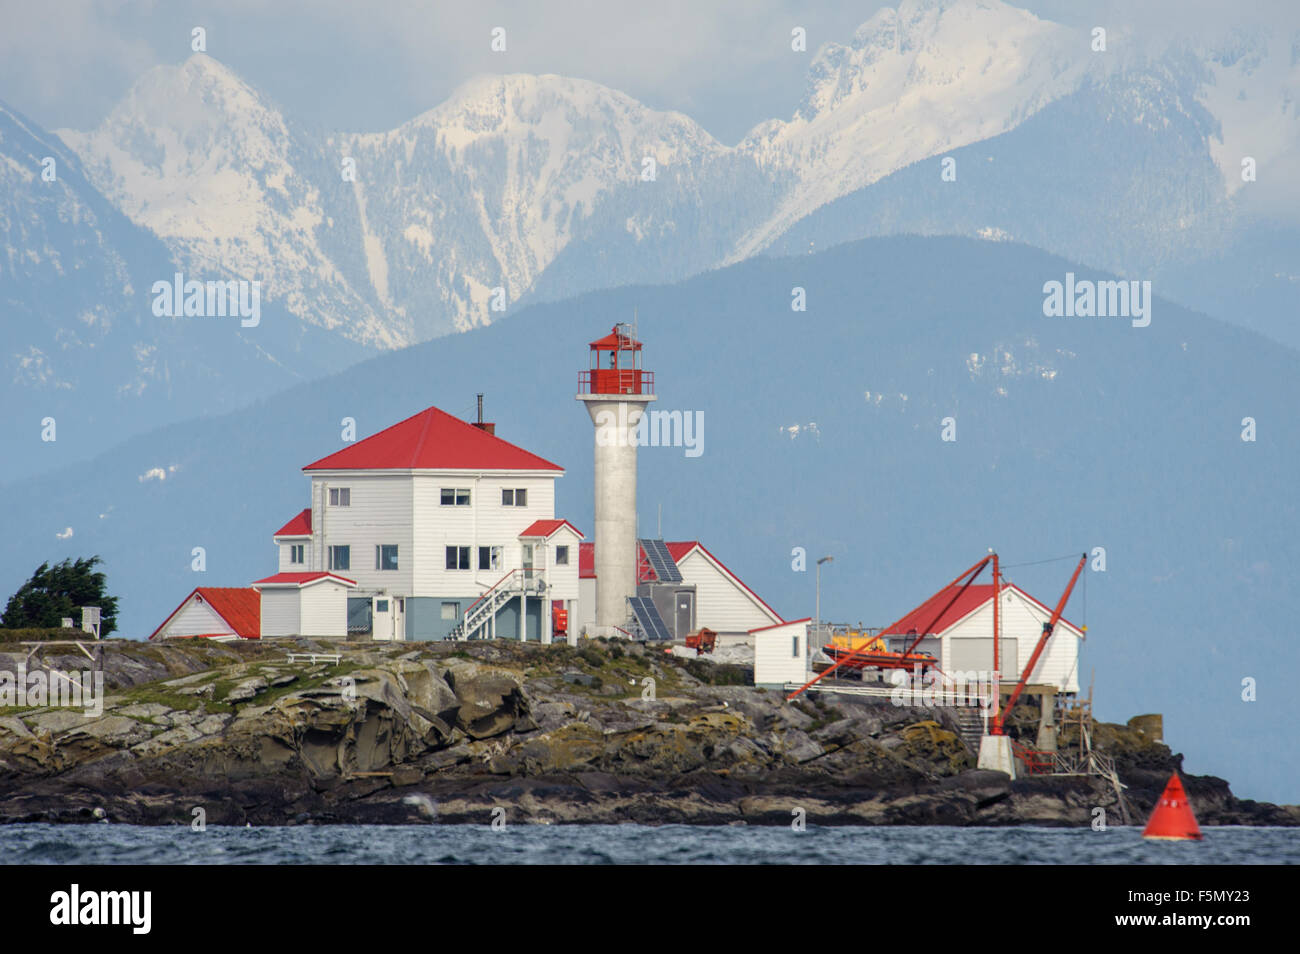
[(517, 582)]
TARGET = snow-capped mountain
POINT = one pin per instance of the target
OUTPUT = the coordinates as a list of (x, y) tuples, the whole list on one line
[(80, 344), (546, 187), (913, 83), (486, 189), (197, 156), (523, 188)]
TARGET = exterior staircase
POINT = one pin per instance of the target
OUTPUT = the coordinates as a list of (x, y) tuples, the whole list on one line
[(970, 726), (481, 612)]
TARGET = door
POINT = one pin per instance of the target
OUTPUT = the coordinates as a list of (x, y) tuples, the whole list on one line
[(399, 619), (383, 618), (685, 614)]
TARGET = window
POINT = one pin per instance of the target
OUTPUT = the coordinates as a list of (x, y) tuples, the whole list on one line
[(386, 556), (458, 558), (401, 606), (340, 558), (450, 610), (296, 553), (381, 606), (561, 556), (455, 497), (794, 647), (516, 497), (340, 497), (485, 561)]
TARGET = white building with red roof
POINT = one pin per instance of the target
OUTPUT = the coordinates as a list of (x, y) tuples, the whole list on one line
[(308, 604), (222, 613), (701, 591), (445, 529), (962, 636)]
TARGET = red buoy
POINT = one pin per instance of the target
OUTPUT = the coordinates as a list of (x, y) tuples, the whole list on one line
[(1172, 819)]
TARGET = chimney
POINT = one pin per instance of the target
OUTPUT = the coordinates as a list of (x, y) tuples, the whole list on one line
[(482, 424)]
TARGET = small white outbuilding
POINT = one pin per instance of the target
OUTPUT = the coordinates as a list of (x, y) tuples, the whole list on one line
[(305, 604), (781, 654)]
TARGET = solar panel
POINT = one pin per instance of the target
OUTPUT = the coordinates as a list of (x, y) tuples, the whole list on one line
[(661, 561), (652, 624)]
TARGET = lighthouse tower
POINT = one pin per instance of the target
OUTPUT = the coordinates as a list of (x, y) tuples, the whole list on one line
[(616, 391)]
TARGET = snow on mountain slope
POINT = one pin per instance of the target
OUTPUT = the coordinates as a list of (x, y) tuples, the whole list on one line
[(198, 157), (1254, 93), (488, 188), (914, 82), (533, 184)]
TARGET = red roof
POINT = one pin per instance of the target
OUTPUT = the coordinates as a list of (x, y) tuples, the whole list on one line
[(976, 595), (239, 606), (614, 340), (678, 550), (301, 579), (433, 440), (544, 528), (299, 526)]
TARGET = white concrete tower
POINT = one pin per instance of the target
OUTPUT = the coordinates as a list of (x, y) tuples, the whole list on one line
[(616, 391)]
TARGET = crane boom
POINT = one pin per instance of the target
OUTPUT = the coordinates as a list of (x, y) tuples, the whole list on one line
[(1048, 627), (973, 572)]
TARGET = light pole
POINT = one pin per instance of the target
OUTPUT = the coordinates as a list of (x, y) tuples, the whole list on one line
[(817, 618)]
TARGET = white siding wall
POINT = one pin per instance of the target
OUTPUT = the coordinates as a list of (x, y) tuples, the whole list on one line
[(485, 523), (720, 604), (286, 566), (776, 659), (324, 609), (586, 605), (1023, 621), (563, 579), (280, 612), (380, 513), (195, 619)]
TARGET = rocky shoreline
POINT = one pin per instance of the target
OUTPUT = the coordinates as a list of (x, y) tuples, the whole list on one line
[(471, 732)]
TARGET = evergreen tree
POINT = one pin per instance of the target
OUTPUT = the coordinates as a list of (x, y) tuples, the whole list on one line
[(61, 590)]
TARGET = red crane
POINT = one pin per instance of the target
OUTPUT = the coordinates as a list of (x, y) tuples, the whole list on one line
[(969, 578), (1048, 627)]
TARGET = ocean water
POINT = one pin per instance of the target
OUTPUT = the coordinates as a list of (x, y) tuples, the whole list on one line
[(631, 844)]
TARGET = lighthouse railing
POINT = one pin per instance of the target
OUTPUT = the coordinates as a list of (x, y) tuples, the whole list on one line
[(616, 381)]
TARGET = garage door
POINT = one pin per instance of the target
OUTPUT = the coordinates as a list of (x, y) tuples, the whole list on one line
[(975, 653)]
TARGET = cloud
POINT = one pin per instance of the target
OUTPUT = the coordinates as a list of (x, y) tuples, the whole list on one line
[(65, 534)]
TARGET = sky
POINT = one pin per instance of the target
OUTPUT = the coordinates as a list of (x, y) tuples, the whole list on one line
[(372, 65)]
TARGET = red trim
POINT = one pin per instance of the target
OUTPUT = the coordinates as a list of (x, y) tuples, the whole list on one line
[(790, 622), (301, 579), (690, 545), (545, 529)]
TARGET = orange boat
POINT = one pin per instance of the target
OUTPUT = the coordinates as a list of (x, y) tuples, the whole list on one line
[(872, 652), (879, 659)]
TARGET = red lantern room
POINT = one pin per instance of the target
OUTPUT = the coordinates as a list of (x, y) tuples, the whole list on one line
[(616, 366)]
